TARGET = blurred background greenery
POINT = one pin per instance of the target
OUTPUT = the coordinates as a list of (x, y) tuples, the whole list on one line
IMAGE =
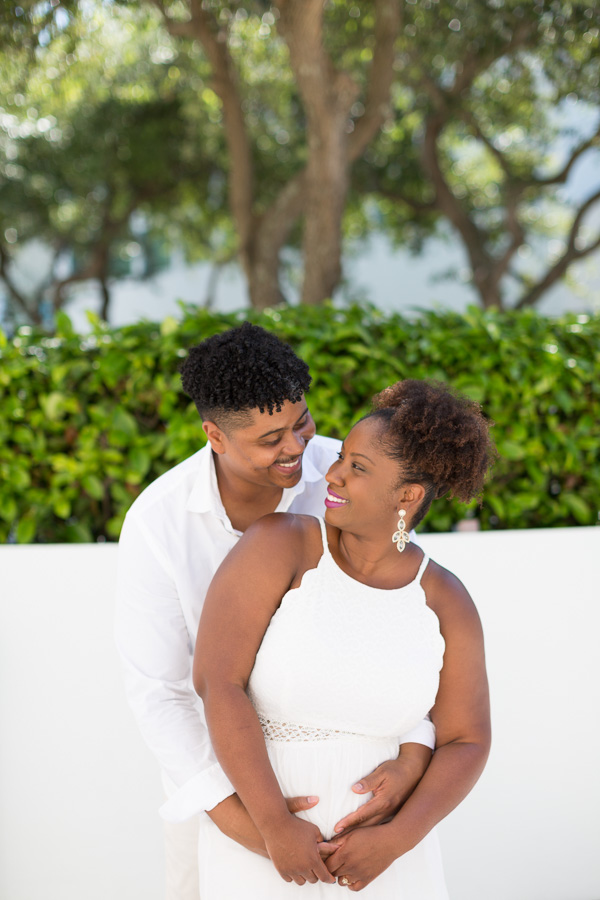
[(277, 139), (89, 421)]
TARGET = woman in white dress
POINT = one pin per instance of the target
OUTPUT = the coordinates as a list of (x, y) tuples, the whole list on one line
[(320, 644)]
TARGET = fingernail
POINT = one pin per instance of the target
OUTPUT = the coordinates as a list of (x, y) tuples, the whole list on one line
[(338, 830), (358, 786), (311, 799)]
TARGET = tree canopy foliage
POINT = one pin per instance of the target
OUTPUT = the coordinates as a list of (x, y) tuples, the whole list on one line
[(241, 130)]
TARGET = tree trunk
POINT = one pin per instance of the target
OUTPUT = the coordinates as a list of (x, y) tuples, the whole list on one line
[(105, 305), (327, 186), (327, 96), (489, 291), (262, 273)]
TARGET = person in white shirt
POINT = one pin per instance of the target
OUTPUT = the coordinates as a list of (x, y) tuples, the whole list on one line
[(262, 456)]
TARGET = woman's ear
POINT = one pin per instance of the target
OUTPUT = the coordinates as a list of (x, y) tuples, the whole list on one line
[(409, 498), (215, 436)]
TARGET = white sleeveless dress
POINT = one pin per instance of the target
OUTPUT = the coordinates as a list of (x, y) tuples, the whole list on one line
[(343, 671)]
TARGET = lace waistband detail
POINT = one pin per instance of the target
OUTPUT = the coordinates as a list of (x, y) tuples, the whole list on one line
[(275, 730)]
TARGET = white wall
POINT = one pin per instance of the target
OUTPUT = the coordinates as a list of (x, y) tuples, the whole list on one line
[(531, 828), (79, 791)]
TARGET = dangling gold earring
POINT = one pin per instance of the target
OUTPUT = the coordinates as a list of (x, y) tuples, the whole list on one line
[(401, 537)]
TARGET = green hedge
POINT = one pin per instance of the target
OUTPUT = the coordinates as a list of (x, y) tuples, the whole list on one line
[(87, 421)]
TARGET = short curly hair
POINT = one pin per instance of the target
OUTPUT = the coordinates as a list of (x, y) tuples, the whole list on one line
[(239, 370), (441, 439)]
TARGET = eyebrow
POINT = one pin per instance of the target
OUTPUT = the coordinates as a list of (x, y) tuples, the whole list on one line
[(354, 453), (277, 430), (364, 456)]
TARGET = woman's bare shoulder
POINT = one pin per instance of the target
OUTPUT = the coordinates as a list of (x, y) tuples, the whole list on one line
[(281, 536), (447, 595), (282, 525)]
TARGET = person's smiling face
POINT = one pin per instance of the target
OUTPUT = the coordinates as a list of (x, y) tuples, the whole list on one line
[(363, 482), (268, 449)]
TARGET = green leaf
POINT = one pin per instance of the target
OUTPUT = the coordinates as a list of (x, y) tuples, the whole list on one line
[(79, 533), (62, 507), (140, 461), (53, 405), (511, 450), (93, 486), (26, 530), (496, 504), (123, 422), (114, 525), (579, 508), (475, 392), (8, 508), (64, 326), (169, 326)]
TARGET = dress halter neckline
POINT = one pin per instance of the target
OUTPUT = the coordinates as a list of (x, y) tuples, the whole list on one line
[(328, 555)]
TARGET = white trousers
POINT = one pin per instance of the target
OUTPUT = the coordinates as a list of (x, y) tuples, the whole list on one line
[(181, 860)]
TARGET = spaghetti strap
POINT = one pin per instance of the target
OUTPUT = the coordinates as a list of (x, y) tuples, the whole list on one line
[(321, 522), (422, 568)]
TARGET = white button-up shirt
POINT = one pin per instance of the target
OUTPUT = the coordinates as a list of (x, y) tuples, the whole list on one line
[(175, 536)]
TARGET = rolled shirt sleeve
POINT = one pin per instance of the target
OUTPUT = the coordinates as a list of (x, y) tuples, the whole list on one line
[(423, 733)]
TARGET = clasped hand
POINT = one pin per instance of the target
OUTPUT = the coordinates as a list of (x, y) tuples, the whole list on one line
[(390, 784), (294, 850), (360, 851)]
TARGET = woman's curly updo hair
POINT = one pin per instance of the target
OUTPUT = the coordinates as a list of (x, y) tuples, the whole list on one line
[(245, 368), (440, 438)]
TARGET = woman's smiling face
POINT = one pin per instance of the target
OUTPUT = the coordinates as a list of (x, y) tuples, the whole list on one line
[(363, 483)]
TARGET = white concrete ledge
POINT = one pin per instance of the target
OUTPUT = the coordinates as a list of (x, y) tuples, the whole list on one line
[(79, 790)]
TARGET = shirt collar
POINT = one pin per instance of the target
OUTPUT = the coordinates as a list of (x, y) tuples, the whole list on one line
[(205, 496)]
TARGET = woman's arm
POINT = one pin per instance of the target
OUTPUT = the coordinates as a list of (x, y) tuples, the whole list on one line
[(462, 720), (244, 594)]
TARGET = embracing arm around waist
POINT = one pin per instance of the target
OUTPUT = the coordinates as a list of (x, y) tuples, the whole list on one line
[(154, 644)]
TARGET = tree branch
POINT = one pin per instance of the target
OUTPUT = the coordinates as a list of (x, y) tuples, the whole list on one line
[(95, 268), (469, 119), (571, 254), (175, 27), (419, 206), (473, 237), (561, 177), (381, 77), (479, 62), (201, 26), (512, 195), (20, 300)]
